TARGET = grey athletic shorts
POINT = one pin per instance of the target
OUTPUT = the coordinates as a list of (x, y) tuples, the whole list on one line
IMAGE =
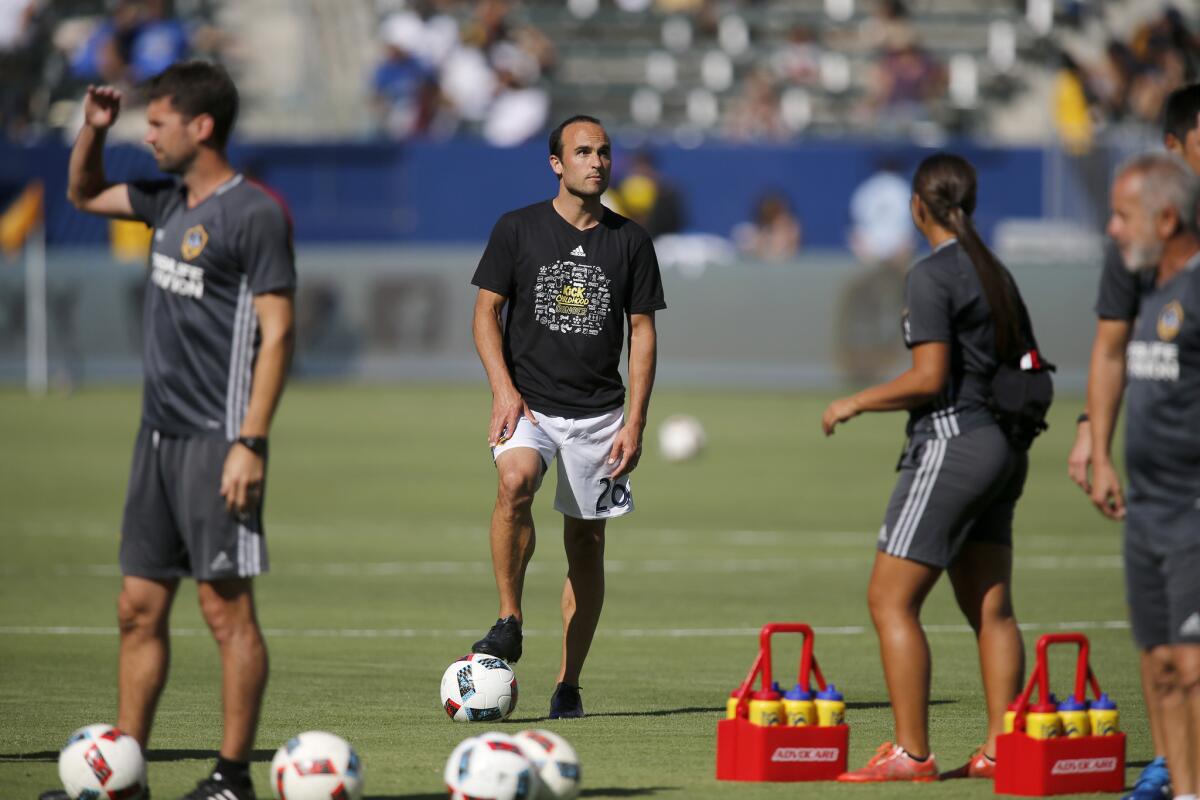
[(952, 491), (176, 524), (1162, 572)]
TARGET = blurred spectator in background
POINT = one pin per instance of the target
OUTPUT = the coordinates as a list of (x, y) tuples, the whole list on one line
[(17, 18), (867, 339), (774, 234), (158, 40), (1072, 107), (404, 88), (518, 111), (798, 60), (754, 113), (138, 40), (888, 28), (648, 198), (901, 86)]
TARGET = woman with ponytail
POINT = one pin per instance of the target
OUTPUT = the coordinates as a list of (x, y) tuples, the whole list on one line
[(960, 477)]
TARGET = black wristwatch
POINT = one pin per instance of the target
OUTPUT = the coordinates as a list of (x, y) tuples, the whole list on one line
[(1081, 418), (255, 444)]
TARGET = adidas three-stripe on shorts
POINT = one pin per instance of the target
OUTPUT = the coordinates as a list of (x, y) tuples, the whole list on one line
[(953, 490), (1162, 571), (176, 524)]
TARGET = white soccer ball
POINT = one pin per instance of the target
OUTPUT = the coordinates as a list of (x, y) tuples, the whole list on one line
[(556, 762), (316, 765), (100, 762), (491, 767), (681, 437), (479, 688)]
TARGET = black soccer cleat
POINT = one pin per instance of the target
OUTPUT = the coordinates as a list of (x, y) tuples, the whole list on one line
[(503, 641), (566, 702), (215, 787)]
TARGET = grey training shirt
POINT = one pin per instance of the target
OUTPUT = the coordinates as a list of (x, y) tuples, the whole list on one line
[(199, 325)]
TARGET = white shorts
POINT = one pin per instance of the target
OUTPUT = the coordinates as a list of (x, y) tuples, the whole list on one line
[(585, 488)]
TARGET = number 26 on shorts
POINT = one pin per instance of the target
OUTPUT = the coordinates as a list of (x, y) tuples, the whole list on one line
[(612, 495)]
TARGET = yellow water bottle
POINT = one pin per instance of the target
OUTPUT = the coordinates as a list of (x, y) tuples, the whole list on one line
[(831, 707), (1105, 719), (798, 707), (1042, 722), (1073, 716), (1010, 717), (731, 705), (766, 708)]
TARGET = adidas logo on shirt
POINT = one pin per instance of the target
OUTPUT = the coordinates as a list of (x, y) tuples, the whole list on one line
[(1191, 626), (578, 251)]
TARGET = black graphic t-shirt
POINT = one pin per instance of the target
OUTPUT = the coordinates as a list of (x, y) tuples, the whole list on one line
[(199, 327), (569, 292), (944, 302), (1162, 368)]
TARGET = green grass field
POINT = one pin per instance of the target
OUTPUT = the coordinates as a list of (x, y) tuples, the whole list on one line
[(377, 521)]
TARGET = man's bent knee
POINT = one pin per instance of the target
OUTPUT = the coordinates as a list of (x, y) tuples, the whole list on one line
[(143, 608), (227, 608), (516, 487)]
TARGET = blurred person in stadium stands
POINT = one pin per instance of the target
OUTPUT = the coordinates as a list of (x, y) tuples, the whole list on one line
[(404, 86), (1156, 226), (1117, 309), (561, 284), (867, 340), (798, 60), (1073, 106), (754, 113), (901, 86), (960, 474), (520, 108), (774, 233), (17, 25), (218, 338), (648, 198), (887, 28), (158, 41)]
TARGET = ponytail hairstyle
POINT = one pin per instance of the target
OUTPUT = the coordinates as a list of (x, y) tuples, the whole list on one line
[(946, 185)]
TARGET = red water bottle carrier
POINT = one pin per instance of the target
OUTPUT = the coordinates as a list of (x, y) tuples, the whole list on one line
[(747, 752), (1038, 767)]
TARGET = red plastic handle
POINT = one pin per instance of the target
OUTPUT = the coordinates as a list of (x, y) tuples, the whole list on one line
[(1041, 674), (762, 663)]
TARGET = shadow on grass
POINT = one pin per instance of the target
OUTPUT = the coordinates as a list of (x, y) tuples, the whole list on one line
[(886, 704), (153, 755), (641, 791)]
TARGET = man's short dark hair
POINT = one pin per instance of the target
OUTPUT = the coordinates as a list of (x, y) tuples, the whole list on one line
[(1180, 112), (556, 145), (195, 88)]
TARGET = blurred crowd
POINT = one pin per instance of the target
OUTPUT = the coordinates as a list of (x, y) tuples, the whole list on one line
[(1127, 80), (438, 76)]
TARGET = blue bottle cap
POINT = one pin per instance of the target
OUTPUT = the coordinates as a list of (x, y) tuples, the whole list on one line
[(1071, 704), (830, 692), (1104, 703), (798, 692)]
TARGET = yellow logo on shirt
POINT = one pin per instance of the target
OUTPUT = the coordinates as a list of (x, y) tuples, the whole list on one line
[(570, 300), (1170, 320), (194, 239)]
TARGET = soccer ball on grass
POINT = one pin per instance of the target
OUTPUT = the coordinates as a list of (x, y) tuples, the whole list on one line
[(479, 688), (316, 765), (100, 762)]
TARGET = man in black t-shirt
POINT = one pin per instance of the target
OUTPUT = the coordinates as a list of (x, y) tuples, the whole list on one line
[(218, 331), (1156, 225), (1117, 307), (557, 283)]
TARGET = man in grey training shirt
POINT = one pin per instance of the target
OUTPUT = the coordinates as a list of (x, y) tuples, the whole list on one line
[(1155, 203), (218, 333)]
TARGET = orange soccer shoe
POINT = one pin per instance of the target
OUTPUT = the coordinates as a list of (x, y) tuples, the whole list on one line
[(978, 766), (892, 762)]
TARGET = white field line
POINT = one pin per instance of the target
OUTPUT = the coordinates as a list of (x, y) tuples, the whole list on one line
[(650, 566), (617, 633)]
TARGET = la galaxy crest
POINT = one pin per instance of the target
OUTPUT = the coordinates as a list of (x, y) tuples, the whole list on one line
[(1170, 320), (194, 240)]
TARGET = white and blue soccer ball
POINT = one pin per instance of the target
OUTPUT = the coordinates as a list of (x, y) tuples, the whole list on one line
[(681, 437), (99, 762), (479, 688), (555, 760), (316, 765), (491, 767)]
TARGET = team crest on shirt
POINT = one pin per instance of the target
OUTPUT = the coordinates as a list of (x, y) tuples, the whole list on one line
[(194, 239), (1170, 320), (572, 298)]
